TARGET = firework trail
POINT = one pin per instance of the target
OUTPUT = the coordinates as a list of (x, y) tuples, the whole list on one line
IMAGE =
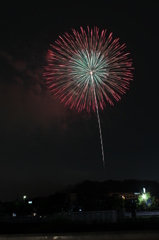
[(86, 70), (100, 130)]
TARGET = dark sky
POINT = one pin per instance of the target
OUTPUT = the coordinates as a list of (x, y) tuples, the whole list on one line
[(44, 146)]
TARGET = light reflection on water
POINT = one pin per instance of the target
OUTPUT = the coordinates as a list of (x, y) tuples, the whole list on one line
[(146, 235)]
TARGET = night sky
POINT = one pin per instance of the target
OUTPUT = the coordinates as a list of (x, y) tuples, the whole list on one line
[(45, 146)]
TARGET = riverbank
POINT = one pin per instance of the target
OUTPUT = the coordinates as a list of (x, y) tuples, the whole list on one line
[(63, 226), (135, 235)]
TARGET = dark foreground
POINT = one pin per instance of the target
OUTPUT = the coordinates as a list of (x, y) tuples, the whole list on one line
[(63, 226)]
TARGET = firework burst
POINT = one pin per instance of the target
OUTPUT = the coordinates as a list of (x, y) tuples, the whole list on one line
[(87, 70), (78, 58)]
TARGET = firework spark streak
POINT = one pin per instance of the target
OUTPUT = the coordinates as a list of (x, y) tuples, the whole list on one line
[(86, 70)]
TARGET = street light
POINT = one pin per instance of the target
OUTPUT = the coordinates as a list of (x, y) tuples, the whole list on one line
[(144, 196)]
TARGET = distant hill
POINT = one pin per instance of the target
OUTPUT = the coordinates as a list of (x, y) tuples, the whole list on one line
[(91, 187)]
